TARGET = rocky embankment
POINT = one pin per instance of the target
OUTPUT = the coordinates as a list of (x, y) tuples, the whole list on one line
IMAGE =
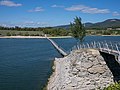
[(83, 69)]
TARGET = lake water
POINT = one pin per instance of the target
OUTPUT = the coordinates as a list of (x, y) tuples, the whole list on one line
[(25, 64)]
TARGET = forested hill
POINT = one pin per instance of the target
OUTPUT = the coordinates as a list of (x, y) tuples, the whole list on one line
[(114, 23), (107, 23)]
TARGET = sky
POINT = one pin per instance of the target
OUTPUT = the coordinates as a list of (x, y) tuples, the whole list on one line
[(44, 13)]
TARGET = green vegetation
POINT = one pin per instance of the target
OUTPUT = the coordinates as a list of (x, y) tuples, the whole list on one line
[(103, 32), (115, 86), (108, 27), (5, 31), (20, 33), (56, 32), (77, 29)]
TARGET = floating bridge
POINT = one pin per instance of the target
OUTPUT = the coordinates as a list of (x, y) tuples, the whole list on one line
[(59, 49), (112, 48)]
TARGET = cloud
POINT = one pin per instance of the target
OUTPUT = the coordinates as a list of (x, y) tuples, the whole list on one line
[(24, 24), (116, 14), (37, 9), (9, 3), (57, 6), (32, 23), (86, 9)]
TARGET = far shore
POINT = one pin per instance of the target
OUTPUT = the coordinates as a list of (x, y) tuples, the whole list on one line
[(34, 37), (103, 35), (48, 37), (110, 35)]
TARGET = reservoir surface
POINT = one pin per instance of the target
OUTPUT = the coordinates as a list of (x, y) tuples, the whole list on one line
[(25, 64)]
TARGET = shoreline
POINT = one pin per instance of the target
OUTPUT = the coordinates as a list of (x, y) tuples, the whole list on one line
[(104, 35), (49, 37), (34, 37), (110, 35)]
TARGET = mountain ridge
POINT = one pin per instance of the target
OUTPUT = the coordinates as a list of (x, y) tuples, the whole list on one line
[(104, 24)]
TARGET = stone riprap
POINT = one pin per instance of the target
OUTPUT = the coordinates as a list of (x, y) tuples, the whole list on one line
[(83, 69)]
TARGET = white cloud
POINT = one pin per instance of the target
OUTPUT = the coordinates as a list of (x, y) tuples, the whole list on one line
[(2, 24), (86, 9), (57, 6), (32, 23), (9, 3), (37, 9), (116, 14), (24, 24)]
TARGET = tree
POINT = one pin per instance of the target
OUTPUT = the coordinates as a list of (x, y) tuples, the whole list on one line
[(77, 29)]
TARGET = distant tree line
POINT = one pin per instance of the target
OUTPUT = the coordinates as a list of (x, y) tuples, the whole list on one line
[(57, 32), (28, 31), (101, 28), (103, 32), (51, 31), (24, 28)]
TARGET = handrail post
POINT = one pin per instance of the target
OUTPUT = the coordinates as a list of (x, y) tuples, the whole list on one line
[(117, 48), (83, 46), (99, 45), (77, 47), (88, 45), (118, 55), (111, 46), (80, 46), (94, 44), (103, 45)]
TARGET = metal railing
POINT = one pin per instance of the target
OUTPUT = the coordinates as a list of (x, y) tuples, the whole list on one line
[(103, 46)]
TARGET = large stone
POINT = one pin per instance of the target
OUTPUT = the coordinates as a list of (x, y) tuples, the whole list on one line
[(97, 69), (96, 62), (108, 74), (87, 65), (102, 62), (68, 81), (91, 58), (94, 52), (78, 63), (82, 74), (78, 67), (85, 60), (100, 58), (74, 82), (74, 71)]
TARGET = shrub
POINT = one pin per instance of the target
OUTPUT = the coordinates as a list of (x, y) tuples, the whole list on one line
[(115, 86), (8, 34)]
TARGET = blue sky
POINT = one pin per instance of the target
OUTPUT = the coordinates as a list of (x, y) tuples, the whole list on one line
[(41, 13)]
